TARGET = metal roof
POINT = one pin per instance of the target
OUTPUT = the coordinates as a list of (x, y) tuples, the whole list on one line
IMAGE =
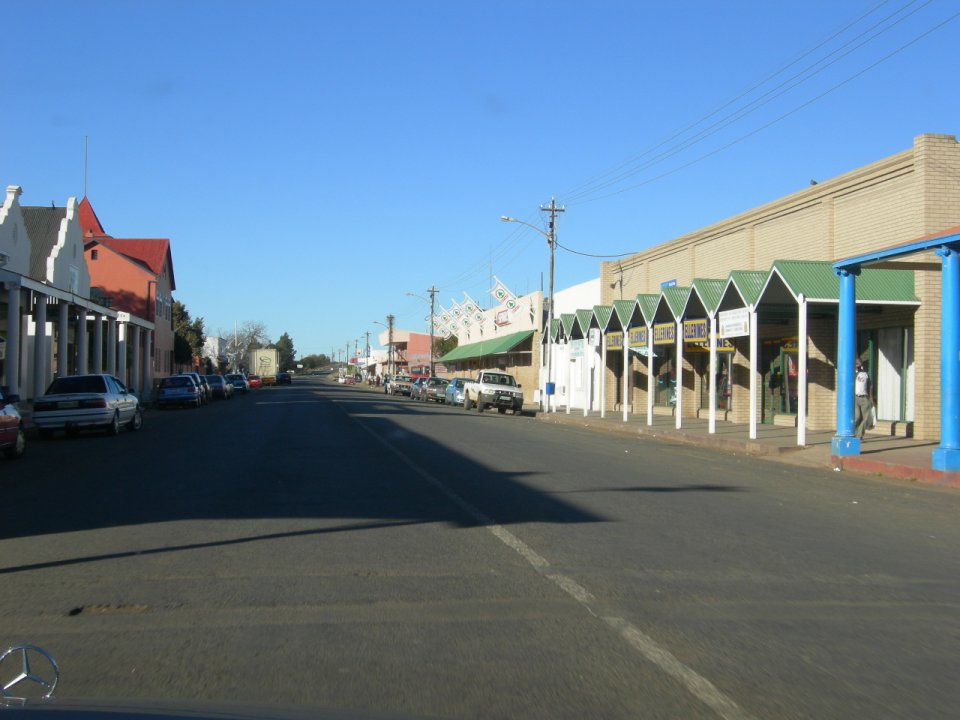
[(624, 310), (583, 320), (709, 291), (493, 346), (950, 236), (566, 322), (818, 282), (602, 314), (749, 283), (648, 305), (676, 298)]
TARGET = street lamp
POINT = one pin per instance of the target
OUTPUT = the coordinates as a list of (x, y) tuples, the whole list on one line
[(551, 235), (433, 293)]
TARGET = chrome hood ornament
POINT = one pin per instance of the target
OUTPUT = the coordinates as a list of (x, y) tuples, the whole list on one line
[(34, 680)]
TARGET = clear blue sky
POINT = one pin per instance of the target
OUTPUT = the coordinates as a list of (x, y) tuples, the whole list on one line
[(313, 162)]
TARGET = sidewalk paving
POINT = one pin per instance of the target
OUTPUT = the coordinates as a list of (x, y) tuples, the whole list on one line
[(891, 457)]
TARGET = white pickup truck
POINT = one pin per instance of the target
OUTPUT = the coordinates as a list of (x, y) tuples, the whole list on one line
[(493, 389)]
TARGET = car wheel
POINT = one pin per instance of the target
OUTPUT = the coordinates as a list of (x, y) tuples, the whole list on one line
[(466, 403), (114, 427), (18, 448), (137, 422), (480, 404), (502, 410)]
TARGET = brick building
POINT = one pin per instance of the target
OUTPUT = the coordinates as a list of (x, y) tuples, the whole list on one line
[(775, 261)]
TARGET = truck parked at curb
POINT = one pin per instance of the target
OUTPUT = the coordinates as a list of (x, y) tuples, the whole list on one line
[(493, 388), (264, 362)]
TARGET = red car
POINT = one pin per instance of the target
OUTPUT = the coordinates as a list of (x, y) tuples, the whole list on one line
[(254, 381), (12, 438)]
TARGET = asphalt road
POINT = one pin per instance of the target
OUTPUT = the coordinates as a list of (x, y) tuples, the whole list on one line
[(331, 547)]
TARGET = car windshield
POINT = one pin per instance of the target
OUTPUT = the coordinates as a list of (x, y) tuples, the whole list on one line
[(77, 384), (176, 381)]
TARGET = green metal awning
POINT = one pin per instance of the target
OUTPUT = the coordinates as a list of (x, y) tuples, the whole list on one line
[(818, 282), (583, 320), (624, 311), (648, 306), (566, 322), (493, 346), (676, 298), (709, 291), (602, 314), (749, 283)]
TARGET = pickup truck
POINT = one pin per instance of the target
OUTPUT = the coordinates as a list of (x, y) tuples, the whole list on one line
[(400, 385), (493, 389)]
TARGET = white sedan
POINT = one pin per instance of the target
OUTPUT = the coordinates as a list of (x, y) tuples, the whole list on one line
[(87, 401)]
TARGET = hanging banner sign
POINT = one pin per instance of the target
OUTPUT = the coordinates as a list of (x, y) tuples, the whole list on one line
[(576, 348), (664, 333), (734, 323), (614, 340), (638, 336), (695, 330)]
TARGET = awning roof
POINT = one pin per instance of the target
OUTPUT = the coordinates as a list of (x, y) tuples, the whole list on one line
[(493, 346), (818, 282)]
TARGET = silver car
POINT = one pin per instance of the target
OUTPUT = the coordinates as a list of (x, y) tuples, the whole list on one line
[(453, 393), (77, 402)]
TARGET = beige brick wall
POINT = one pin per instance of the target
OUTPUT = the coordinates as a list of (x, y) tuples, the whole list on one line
[(894, 200)]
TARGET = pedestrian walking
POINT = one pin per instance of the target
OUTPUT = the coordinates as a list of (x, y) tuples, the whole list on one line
[(864, 403)]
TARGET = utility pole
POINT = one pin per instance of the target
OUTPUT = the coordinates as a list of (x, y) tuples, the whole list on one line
[(393, 370), (553, 209), (433, 294)]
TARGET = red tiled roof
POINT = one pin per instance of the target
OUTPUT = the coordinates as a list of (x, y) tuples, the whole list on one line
[(151, 252), (89, 222)]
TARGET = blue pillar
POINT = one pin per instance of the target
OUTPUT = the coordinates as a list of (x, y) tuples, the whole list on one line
[(947, 455), (845, 442)]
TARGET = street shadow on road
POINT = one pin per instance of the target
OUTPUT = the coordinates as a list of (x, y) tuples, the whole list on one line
[(291, 452), (658, 489)]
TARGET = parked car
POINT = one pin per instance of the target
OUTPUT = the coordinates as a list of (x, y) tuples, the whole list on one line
[(400, 385), (283, 378), (219, 388), (453, 392), (201, 382), (13, 440), (418, 389), (253, 381), (179, 390), (76, 402), (238, 381), (435, 389)]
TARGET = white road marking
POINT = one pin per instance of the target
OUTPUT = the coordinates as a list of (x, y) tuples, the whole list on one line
[(696, 684)]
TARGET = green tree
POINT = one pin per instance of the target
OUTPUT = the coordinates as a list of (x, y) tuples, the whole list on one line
[(441, 346), (287, 354), (189, 335), (315, 362)]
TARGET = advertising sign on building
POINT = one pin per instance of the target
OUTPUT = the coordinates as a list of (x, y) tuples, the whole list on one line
[(614, 340), (734, 323), (664, 333)]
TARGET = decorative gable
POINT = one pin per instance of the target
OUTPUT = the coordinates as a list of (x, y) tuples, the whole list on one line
[(14, 241)]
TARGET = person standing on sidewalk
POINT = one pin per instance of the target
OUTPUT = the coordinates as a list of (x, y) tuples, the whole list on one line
[(861, 387)]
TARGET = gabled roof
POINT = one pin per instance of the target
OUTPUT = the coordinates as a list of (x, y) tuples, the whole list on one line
[(602, 314), (89, 222), (43, 228), (583, 320), (566, 322), (151, 253), (676, 298), (749, 283), (647, 302), (818, 282), (709, 291), (624, 310)]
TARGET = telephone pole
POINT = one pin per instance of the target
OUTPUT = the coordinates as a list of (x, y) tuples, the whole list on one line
[(553, 209), (393, 370), (433, 294)]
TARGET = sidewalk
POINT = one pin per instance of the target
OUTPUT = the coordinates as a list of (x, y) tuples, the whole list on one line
[(891, 457)]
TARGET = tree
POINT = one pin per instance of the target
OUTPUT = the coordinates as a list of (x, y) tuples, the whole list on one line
[(288, 355), (441, 346), (315, 362), (189, 335), (248, 335)]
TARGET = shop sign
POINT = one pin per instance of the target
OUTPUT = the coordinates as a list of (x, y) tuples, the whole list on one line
[(664, 333), (576, 348), (502, 318), (697, 339), (787, 344), (594, 337), (638, 336), (614, 340), (734, 323)]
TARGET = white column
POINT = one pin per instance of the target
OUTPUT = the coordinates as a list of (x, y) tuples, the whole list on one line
[(802, 372), (587, 371), (63, 338), (678, 406), (112, 345), (753, 373), (97, 343), (12, 363), (569, 374), (82, 345), (649, 375), (147, 384), (135, 370), (39, 345), (626, 374), (603, 375), (712, 323), (121, 354)]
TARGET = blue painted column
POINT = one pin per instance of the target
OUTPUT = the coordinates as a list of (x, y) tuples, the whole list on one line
[(947, 455), (845, 442)]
